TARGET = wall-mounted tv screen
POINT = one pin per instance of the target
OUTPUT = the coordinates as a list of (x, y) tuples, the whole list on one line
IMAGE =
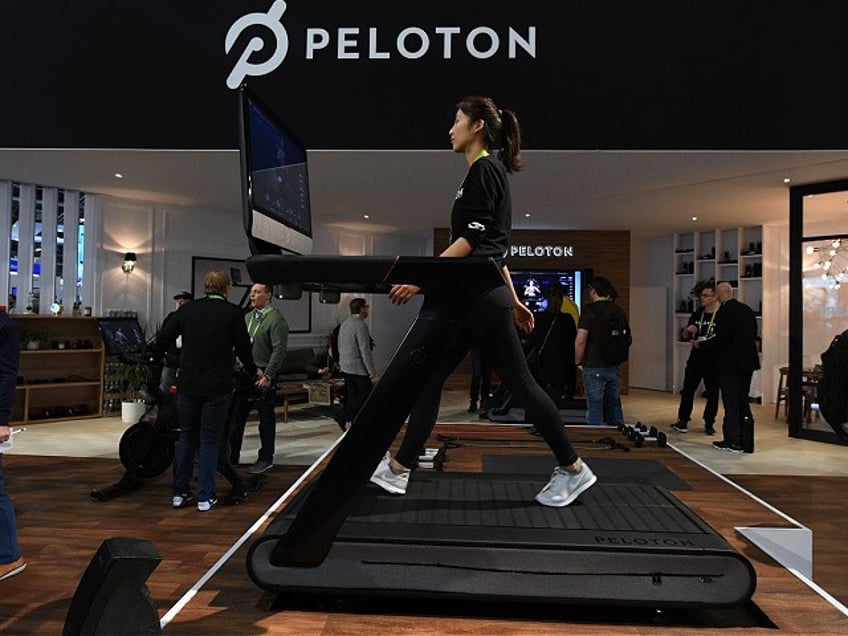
[(533, 286), (275, 181)]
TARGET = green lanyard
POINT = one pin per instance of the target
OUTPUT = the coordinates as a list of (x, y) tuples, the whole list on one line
[(215, 296), (483, 153), (254, 324)]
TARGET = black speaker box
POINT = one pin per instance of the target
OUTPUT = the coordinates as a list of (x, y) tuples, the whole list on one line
[(112, 597)]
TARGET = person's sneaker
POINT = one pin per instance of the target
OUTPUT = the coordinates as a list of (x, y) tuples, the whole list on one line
[(709, 429), (720, 444), (206, 506), (181, 500), (733, 448), (259, 467), (8, 570), (389, 480), (680, 427), (472, 406), (564, 487)]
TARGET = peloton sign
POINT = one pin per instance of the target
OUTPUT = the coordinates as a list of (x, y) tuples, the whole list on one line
[(539, 251), (368, 42)]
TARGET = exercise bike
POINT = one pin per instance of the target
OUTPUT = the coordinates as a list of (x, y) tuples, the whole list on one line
[(147, 447)]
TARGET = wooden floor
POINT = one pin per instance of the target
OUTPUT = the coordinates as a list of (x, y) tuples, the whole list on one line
[(60, 529)]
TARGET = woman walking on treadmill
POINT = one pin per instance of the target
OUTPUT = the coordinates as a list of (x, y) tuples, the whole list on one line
[(481, 220)]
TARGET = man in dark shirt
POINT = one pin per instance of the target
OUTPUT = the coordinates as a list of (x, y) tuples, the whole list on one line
[(211, 328), (736, 360), (601, 378)]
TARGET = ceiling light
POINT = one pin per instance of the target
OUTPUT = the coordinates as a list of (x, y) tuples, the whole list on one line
[(694, 218), (787, 180), (526, 215), (118, 175), (366, 216)]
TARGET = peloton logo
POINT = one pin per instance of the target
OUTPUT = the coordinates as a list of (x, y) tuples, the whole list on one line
[(356, 43)]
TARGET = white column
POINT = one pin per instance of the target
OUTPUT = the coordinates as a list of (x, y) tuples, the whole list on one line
[(26, 239), (49, 224)]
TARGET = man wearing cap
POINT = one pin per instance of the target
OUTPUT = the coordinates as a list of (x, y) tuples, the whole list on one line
[(172, 354)]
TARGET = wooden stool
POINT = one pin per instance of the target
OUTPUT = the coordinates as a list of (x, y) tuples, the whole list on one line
[(782, 393)]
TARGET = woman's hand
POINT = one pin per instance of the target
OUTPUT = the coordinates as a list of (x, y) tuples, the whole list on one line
[(523, 317), (401, 294)]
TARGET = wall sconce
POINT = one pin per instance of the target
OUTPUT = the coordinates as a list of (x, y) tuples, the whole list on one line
[(129, 262)]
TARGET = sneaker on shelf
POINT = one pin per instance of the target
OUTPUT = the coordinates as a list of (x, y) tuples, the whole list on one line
[(389, 480), (206, 506), (181, 500), (680, 427), (709, 429), (8, 570), (259, 467), (564, 487), (720, 444)]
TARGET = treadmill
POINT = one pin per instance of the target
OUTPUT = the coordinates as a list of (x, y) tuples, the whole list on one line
[(462, 535)]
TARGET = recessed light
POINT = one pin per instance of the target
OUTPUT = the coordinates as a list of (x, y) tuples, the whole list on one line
[(366, 216), (118, 175), (787, 180), (526, 215), (694, 218)]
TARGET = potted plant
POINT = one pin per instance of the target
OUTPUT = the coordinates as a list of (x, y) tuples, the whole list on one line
[(34, 340), (133, 380)]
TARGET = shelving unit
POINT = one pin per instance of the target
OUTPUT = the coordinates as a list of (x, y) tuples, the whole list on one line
[(733, 255), (63, 377)]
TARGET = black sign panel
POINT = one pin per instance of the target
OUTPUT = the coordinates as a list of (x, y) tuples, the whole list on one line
[(605, 74)]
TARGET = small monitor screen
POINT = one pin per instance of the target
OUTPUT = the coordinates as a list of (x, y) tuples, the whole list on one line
[(122, 336), (275, 179), (533, 286)]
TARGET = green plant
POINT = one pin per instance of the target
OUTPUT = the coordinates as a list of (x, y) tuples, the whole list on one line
[(40, 337), (133, 379)]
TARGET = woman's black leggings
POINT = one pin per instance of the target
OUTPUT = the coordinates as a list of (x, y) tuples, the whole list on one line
[(489, 327)]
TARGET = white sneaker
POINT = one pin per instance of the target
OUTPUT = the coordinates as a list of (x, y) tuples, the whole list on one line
[(564, 487), (206, 506), (387, 479), (182, 500)]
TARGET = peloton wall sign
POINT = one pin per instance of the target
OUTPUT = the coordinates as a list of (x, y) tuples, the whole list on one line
[(368, 42), (539, 251)]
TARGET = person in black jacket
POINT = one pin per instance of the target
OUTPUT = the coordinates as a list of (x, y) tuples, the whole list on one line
[(481, 219), (553, 339), (701, 362), (736, 360), (211, 328), (11, 560)]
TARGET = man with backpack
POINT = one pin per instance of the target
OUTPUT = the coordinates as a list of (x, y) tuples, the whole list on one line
[(602, 344)]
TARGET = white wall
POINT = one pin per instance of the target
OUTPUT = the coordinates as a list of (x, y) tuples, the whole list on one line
[(650, 267), (166, 238)]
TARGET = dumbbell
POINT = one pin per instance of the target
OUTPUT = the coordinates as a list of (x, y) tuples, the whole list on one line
[(639, 434), (651, 435)]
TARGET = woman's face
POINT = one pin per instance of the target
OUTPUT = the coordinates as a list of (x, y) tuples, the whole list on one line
[(463, 131)]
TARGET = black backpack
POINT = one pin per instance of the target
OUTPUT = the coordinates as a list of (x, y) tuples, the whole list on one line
[(833, 387), (616, 337)]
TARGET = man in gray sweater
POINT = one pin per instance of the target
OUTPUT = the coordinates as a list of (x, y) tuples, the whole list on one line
[(355, 360)]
